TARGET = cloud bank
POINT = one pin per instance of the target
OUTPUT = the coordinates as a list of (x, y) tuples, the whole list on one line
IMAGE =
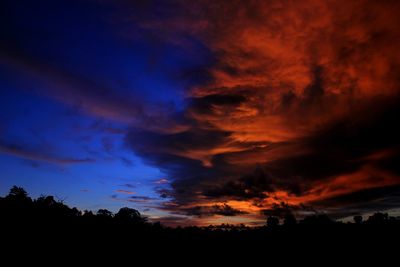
[(289, 106), (299, 107)]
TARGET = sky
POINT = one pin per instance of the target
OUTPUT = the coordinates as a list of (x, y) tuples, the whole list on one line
[(203, 112)]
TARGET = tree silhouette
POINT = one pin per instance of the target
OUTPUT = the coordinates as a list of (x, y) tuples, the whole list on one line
[(126, 214), (104, 213), (358, 219), (289, 220), (18, 205), (378, 218), (46, 201), (48, 216), (17, 192), (272, 221), (88, 214), (318, 220)]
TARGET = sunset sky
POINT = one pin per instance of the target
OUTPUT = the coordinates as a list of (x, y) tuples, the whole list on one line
[(203, 112)]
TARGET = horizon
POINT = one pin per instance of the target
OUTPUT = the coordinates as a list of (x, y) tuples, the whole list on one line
[(204, 112), (18, 204)]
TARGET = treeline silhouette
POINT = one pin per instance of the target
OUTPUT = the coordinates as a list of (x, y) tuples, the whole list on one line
[(46, 220), (18, 207)]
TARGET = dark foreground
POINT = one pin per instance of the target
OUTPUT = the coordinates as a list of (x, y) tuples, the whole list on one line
[(46, 227)]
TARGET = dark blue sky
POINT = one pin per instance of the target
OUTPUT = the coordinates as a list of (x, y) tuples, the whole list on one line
[(74, 76)]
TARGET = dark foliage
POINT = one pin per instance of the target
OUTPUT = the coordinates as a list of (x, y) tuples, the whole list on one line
[(45, 222)]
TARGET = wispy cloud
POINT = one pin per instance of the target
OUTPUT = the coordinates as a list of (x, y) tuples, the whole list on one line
[(38, 154), (82, 93), (122, 191), (162, 181), (128, 185), (141, 199)]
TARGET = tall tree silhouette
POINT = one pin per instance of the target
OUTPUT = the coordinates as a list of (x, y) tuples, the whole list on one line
[(358, 219), (17, 193), (127, 215)]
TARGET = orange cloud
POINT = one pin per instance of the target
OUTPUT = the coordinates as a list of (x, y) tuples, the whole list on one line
[(162, 181), (270, 49), (306, 90)]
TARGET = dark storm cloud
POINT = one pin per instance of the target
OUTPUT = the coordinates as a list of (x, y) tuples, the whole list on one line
[(250, 186), (341, 206), (189, 158), (340, 147), (163, 192), (301, 107), (177, 143), (363, 201), (283, 209), (204, 211), (370, 128), (172, 153), (391, 162), (385, 196), (210, 102)]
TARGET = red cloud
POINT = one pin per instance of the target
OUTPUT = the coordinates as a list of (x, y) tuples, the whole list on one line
[(289, 91)]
